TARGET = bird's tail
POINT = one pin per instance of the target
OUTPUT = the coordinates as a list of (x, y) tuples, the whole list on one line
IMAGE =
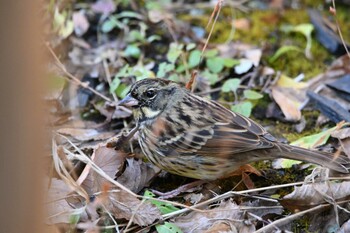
[(337, 163)]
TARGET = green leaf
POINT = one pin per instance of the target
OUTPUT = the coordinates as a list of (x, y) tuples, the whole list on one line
[(244, 108), (231, 85), (211, 53), (135, 35), (129, 14), (194, 58), (74, 218), (174, 52), (141, 73), (252, 95), (283, 50), (190, 46), (181, 68), (165, 208), (124, 71), (168, 227), (215, 64), (56, 83), (211, 77), (115, 84), (62, 24), (286, 163), (164, 68), (132, 51), (306, 30), (229, 62), (153, 38), (110, 24), (122, 90), (314, 140), (174, 77)]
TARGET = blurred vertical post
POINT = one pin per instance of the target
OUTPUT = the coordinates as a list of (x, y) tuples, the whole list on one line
[(21, 117)]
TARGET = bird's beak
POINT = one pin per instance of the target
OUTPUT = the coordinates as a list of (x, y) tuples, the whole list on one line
[(128, 101)]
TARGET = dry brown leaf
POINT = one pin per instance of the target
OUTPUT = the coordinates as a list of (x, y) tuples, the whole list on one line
[(222, 227), (309, 195), (343, 136), (137, 174), (125, 206), (201, 221), (85, 134), (109, 160), (287, 100), (58, 209), (242, 24)]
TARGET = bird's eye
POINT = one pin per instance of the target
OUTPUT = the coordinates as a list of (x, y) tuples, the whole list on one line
[(150, 93)]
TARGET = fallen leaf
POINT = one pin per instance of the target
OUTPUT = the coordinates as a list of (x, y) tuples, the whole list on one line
[(164, 207), (58, 209), (288, 102), (285, 81), (244, 108), (222, 227), (244, 66), (109, 160), (201, 221), (125, 206), (137, 174), (253, 55), (81, 24), (168, 227), (105, 7), (315, 140), (284, 163), (309, 195), (85, 134), (343, 135)]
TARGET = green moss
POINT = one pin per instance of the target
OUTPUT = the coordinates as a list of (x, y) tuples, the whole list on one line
[(301, 225)]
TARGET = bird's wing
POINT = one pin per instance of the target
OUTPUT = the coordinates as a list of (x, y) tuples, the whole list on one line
[(212, 130)]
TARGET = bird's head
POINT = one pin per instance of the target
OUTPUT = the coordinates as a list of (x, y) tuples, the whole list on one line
[(149, 97)]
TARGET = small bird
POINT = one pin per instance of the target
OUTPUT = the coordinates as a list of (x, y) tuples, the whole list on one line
[(191, 136)]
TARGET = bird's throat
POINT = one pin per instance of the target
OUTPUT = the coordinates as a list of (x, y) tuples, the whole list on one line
[(146, 113)]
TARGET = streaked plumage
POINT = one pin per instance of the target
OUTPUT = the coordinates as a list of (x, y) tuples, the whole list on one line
[(194, 137)]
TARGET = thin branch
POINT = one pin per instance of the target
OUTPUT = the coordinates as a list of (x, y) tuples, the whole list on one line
[(290, 218), (108, 76), (216, 13), (73, 78), (334, 12)]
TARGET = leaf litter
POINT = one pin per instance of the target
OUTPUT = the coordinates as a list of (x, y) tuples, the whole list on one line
[(94, 186)]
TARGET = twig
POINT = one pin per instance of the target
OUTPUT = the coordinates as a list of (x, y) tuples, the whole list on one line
[(111, 217), (72, 77), (203, 5), (334, 13), (191, 81), (290, 218), (216, 13), (84, 158), (133, 215), (108, 76)]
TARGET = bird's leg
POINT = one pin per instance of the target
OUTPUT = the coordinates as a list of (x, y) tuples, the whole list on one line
[(195, 185)]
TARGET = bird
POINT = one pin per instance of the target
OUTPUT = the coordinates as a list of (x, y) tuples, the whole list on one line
[(192, 136)]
